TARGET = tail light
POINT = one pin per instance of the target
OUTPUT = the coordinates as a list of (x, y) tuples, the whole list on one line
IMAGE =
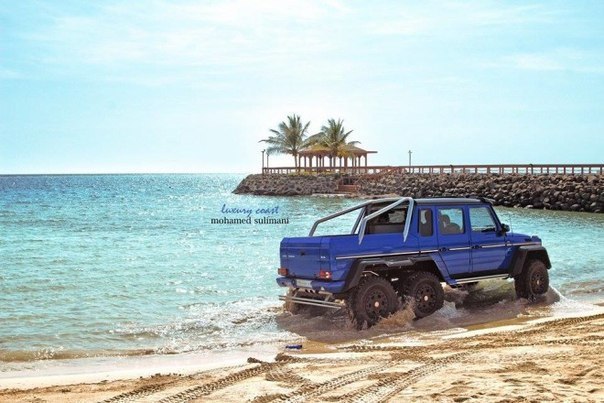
[(282, 271), (324, 274)]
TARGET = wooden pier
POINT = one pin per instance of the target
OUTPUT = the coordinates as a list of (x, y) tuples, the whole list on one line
[(533, 169)]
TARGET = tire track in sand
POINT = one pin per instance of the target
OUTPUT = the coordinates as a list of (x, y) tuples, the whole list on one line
[(137, 393), (390, 386), (149, 390), (205, 389), (306, 392)]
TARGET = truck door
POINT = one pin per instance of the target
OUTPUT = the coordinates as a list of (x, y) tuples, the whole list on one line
[(487, 241), (454, 240)]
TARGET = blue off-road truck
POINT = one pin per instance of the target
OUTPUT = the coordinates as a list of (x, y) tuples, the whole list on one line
[(401, 250)]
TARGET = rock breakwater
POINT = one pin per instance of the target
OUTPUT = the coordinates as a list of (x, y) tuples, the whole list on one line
[(288, 185), (553, 192)]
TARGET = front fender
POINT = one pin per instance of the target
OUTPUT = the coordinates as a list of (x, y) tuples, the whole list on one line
[(524, 253)]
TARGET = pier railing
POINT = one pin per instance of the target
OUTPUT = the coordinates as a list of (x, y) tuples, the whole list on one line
[(534, 169)]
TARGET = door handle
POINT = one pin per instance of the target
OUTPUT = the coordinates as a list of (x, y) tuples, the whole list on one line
[(443, 249), (476, 247)]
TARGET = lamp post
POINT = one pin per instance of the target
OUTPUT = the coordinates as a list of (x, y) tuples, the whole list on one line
[(263, 160), (410, 160)]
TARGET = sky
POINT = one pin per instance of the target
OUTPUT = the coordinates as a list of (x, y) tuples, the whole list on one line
[(192, 86)]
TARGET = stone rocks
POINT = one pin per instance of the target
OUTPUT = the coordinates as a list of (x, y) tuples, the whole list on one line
[(288, 184), (552, 192)]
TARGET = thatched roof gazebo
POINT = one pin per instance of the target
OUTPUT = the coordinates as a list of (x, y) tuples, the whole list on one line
[(318, 153)]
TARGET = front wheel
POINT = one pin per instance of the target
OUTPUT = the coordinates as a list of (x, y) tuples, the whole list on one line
[(373, 299), (533, 281)]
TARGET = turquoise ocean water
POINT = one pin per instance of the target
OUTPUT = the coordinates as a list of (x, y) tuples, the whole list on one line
[(94, 265)]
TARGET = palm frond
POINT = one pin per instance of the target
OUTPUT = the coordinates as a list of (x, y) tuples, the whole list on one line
[(275, 150), (289, 137)]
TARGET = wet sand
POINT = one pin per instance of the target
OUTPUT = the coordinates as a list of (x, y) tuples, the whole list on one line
[(477, 348)]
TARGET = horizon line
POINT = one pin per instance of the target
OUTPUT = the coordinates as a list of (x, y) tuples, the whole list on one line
[(293, 167), (120, 173)]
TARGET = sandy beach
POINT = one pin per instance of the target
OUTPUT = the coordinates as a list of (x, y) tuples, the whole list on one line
[(509, 359)]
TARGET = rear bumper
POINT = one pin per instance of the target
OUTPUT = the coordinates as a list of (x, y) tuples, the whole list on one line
[(332, 287), (327, 302)]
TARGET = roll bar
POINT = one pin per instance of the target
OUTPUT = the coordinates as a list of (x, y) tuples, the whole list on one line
[(385, 209), (363, 220)]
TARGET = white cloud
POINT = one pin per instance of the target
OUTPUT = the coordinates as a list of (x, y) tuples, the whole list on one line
[(190, 34), (535, 62), (459, 18), (557, 60), (403, 25), (499, 14), (160, 42), (7, 74)]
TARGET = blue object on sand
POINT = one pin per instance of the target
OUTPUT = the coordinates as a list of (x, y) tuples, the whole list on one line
[(294, 346)]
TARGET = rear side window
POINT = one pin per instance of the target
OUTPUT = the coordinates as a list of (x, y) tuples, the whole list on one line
[(425, 222), (389, 222), (450, 221), (396, 216), (481, 220)]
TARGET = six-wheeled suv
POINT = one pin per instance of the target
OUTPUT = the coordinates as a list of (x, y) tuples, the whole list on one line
[(401, 250)]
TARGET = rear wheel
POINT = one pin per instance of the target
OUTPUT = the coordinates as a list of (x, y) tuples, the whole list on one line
[(425, 293), (533, 281), (373, 299), (290, 306)]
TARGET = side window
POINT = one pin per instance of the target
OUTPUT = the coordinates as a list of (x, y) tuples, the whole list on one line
[(450, 221), (425, 222), (389, 222), (397, 216), (481, 220)]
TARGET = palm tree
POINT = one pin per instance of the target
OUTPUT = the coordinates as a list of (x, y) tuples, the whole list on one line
[(334, 137), (289, 138)]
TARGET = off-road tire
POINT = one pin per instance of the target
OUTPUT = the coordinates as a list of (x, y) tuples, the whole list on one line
[(533, 281), (291, 307), (374, 298), (424, 292)]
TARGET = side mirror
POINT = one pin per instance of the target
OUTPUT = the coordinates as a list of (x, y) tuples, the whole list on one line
[(505, 228)]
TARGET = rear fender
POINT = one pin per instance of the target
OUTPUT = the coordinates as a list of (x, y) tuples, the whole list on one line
[(526, 253), (361, 266)]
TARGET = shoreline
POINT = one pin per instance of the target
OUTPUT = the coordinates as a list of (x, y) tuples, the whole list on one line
[(125, 358), (114, 368), (94, 380)]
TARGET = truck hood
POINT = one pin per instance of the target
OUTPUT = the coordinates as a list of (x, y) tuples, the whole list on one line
[(516, 238)]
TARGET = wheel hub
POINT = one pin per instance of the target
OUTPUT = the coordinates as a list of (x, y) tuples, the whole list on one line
[(376, 303), (425, 298), (538, 283)]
